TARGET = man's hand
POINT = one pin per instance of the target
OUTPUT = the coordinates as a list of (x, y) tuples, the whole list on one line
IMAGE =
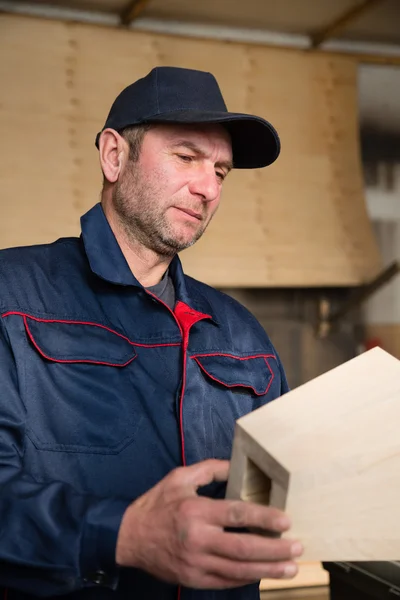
[(179, 537)]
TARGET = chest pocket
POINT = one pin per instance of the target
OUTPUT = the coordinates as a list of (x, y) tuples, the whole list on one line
[(78, 388), (226, 388), (251, 374)]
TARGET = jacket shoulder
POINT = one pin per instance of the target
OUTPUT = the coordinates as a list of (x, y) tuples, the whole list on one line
[(23, 267), (24, 254), (224, 307)]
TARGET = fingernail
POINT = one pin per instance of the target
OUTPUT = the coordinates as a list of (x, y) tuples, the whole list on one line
[(289, 571), (296, 549)]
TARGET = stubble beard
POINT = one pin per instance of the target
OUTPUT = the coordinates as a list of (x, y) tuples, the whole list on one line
[(139, 207)]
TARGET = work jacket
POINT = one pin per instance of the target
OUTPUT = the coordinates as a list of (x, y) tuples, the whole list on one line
[(103, 391)]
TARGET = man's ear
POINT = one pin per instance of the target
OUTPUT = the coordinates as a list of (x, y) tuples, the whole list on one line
[(113, 153)]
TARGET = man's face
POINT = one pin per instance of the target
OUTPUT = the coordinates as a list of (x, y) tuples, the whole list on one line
[(167, 198)]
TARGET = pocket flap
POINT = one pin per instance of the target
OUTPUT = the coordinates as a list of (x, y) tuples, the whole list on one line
[(74, 342), (252, 372)]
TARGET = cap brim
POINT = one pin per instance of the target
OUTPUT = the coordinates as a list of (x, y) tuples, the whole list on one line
[(255, 142)]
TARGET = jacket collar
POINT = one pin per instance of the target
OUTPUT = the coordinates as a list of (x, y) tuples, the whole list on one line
[(102, 249), (107, 261)]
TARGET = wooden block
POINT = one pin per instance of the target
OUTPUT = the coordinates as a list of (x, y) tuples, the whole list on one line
[(328, 453), (311, 574)]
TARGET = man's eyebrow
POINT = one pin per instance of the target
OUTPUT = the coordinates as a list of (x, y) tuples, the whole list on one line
[(227, 164)]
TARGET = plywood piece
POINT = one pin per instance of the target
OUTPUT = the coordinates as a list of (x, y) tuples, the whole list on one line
[(329, 454), (300, 222), (311, 574), (314, 593)]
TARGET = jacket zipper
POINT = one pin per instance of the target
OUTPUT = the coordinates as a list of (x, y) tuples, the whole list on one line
[(185, 342)]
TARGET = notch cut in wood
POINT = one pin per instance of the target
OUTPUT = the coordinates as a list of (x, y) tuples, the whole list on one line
[(256, 485)]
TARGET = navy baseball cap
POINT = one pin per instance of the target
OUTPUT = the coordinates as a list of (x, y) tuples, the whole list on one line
[(186, 96)]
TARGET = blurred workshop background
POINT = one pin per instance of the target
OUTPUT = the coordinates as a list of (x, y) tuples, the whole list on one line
[(310, 244)]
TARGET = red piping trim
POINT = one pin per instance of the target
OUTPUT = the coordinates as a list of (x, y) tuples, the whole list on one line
[(93, 362), (264, 356), (234, 356), (25, 315)]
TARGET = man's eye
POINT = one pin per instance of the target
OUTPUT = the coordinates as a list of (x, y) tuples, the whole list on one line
[(185, 158), (220, 175)]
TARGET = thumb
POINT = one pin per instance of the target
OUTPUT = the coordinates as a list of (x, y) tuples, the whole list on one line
[(206, 472)]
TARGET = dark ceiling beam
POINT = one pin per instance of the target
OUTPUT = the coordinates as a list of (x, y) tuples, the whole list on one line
[(342, 22), (133, 10)]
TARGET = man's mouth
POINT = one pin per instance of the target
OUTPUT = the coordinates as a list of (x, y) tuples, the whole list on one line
[(191, 213)]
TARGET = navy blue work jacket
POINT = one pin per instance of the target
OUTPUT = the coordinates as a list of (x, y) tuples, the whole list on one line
[(104, 390)]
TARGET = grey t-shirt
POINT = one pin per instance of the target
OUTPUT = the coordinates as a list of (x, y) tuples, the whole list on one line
[(164, 290)]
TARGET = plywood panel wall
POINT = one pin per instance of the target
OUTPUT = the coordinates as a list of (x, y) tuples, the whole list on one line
[(301, 222)]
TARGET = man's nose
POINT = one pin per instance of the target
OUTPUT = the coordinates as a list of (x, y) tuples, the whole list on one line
[(205, 183)]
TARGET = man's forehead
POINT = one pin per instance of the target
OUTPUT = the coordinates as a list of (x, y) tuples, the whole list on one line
[(198, 133)]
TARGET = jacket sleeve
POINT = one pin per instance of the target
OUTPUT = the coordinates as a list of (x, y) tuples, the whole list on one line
[(284, 383), (53, 539)]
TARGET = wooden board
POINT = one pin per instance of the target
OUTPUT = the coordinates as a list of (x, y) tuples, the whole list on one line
[(311, 574), (301, 222), (329, 454)]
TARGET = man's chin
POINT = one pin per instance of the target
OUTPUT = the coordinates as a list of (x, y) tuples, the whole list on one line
[(182, 240), (174, 245), (180, 245)]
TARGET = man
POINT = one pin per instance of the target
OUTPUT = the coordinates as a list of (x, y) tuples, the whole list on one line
[(122, 378)]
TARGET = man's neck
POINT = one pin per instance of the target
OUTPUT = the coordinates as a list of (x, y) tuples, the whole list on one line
[(146, 265)]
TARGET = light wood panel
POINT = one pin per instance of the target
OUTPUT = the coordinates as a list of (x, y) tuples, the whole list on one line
[(316, 593), (311, 574), (301, 222), (329, 454)]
